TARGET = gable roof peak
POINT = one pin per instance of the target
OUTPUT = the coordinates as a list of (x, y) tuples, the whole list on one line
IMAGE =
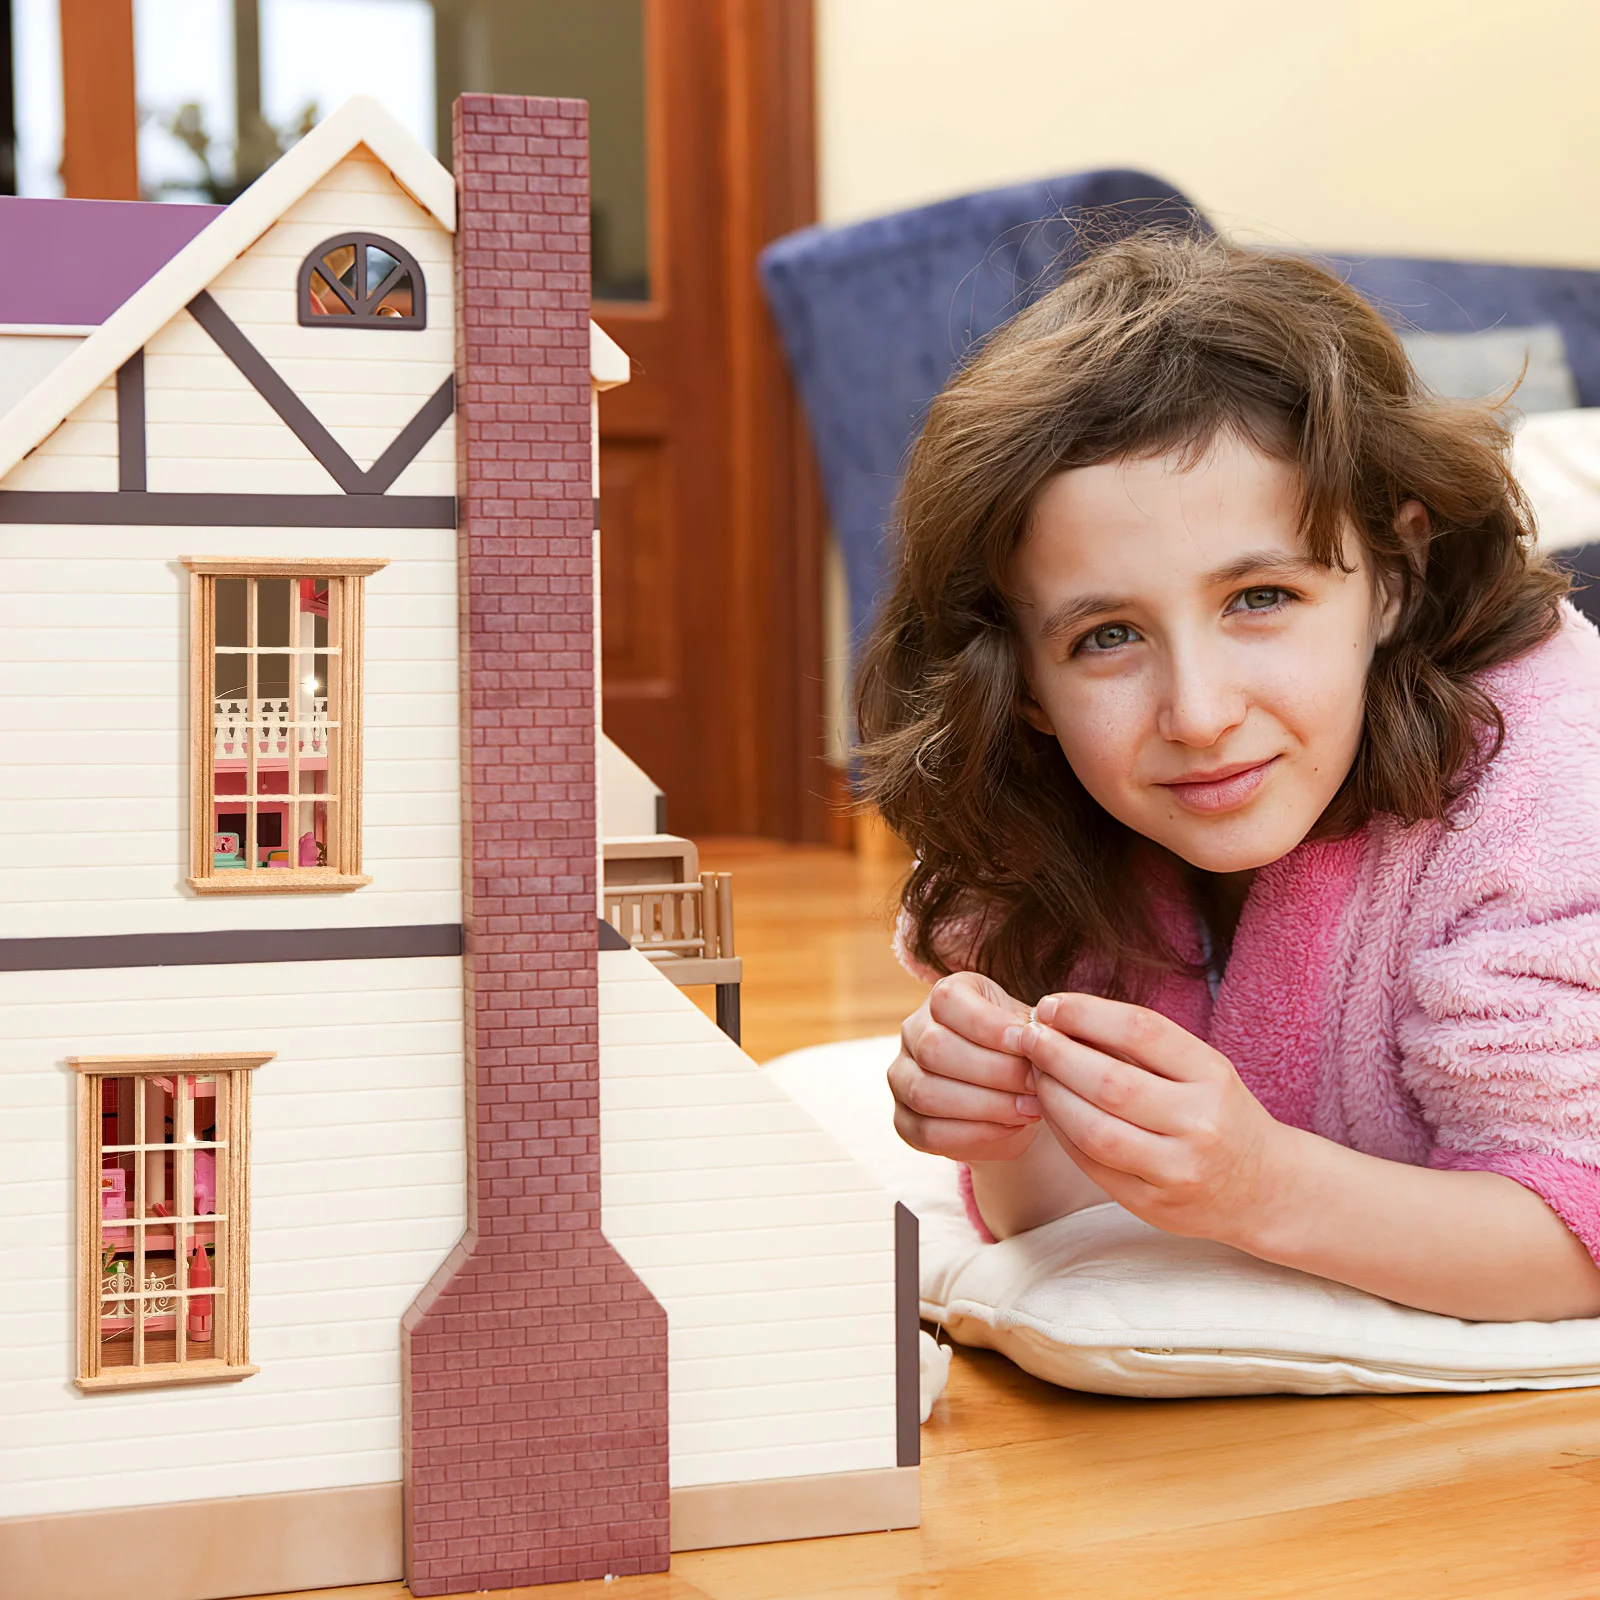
[(360, 121)]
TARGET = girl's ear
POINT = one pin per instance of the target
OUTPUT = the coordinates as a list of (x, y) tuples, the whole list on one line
[(1411, 523), (1033, 713)]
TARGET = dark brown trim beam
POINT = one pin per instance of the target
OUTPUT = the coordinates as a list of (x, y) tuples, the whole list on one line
[(298, 417), (230, 948), (907, 1325), (409, 441), (131, 467), (89, 508)]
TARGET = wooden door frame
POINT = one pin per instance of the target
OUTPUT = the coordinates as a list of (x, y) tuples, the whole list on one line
[(773, 768), (776, 493), (100, 125)]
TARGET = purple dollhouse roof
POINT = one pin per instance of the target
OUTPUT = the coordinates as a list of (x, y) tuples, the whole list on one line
[(76, 261)]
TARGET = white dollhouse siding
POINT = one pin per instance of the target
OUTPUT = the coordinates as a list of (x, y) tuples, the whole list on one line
[(359, 1163), (209, 431), (359, 1180), (94, 729), (772, 1251), (80, 454), (94, 621)]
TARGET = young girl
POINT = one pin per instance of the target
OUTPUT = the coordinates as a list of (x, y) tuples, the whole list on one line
[(1252, 765)]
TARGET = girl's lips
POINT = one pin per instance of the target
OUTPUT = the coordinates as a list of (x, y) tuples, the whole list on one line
[(1221, 794)]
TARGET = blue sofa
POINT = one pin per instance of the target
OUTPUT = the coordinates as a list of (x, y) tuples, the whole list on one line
[(874, 316)]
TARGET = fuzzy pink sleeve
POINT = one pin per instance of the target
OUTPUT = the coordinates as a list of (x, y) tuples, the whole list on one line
[(1501, 1048), (901, 946), (956, 941), (1569, 1188)]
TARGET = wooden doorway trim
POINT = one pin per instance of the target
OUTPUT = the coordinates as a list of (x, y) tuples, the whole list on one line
[(100, 125), (736, 669), (776, 495)]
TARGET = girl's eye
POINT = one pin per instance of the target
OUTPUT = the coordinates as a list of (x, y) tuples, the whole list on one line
[(1262, 599), (1109, 636)]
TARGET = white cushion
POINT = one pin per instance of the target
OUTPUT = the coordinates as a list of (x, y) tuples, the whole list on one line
[(1104, 1302), (1556, 457)]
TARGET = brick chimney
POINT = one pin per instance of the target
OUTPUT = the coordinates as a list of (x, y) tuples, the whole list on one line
[(535, 1363)]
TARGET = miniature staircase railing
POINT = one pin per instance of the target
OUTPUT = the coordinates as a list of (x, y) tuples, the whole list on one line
[(675, 921), (274, 725)]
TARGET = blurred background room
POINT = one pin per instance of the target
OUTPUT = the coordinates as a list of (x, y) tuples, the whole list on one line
[(909, 155)]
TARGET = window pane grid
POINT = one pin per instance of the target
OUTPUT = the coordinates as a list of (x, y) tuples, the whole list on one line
[(277, 775), (276, 649), (162, 1270), (162, 1144), (276, 739), (278, 796)]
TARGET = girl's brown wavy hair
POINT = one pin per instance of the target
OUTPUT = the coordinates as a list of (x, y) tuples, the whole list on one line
[(1156, 342)]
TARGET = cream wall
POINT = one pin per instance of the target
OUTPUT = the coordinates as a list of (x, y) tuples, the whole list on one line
[(770, 1250), (1465, 129), (358, 1189)]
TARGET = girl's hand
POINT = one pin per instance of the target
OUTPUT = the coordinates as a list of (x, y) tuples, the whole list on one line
[(1155, 1116), (956, 1090)]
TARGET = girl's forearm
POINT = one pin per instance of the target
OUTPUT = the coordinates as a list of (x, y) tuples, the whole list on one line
[(1039, 1186), (1466, 1244)]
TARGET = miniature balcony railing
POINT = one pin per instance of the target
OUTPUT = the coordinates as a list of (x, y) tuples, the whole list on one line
[(274, 728), (686, 930)]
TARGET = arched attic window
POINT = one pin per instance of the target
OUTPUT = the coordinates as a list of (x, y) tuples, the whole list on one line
[(362, 280)]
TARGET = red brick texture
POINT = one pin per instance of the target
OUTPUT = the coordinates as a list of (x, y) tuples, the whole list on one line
[(535, 1362)]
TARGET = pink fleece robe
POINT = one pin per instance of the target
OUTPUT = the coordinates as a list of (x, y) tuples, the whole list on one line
[(1432, 995)]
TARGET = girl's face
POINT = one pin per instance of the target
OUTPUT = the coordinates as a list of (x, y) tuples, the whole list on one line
[(1203, 677)]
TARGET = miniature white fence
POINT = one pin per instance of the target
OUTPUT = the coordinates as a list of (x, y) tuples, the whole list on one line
[(274, 725)]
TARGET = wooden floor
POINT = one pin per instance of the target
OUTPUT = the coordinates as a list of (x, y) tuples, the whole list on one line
[(813, 927), (1033, 1491)]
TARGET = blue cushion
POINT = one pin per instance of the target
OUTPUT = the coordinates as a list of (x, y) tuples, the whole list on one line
[(1584, 565), (1469, 296), (874, 317)]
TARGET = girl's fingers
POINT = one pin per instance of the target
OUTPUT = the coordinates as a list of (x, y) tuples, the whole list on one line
[(1133, 1033), (1129, 1191), (947, 1054), (929, 1094), (1129, 1093), (1108, 1141), (976, 1008), (962, 1141)]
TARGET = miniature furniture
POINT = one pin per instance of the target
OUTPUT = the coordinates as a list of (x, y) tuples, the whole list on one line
[(678, 917)]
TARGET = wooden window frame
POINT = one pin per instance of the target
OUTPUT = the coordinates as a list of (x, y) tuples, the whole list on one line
[(345, 770), (230, 1297)]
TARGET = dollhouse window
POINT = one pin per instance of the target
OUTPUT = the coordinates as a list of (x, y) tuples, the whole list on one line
[(164, 1233), (276, 709), (362, 280)]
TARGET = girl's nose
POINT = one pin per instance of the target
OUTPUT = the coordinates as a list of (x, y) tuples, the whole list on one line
[(1201, 702)]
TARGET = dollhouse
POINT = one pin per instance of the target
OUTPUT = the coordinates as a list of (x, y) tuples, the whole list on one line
[(371, 1207)]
